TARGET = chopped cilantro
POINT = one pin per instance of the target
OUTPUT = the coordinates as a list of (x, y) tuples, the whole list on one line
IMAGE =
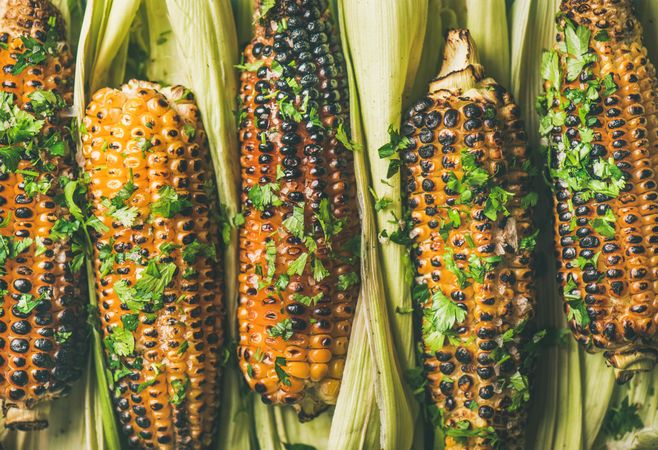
[(297, 266), (519, 383), (347, 280), (294, 223), (439, 318), (250, 66), (319, 271), (192, 251), (264, 196), (622, 419), (279, 364), (130, 321), (63, 336), (306, 300), (180, 390), (282, 329), (120, 342), (170, 203)]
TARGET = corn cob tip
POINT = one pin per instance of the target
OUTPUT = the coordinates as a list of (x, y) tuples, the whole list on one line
[(461, 68), (21, 418), (627, 364)]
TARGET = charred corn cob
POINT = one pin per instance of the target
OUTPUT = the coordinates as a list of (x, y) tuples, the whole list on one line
[(299, 277), (599, 120), (42, 318), (156, 261), (466, 174)]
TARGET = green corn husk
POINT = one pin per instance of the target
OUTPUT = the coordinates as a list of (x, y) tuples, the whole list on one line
[(195, 44), (243, 11), (382, 63)]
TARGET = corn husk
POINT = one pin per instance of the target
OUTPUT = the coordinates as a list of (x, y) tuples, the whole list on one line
[(380, 43), (243, 11)]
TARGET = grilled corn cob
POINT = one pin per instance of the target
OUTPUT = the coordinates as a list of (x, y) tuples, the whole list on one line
[(599, 119), (42, 320), (299, 277), (156, 261), (466, 174)]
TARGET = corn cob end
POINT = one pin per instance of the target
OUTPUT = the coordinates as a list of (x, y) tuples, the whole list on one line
[(461, 66), (21, 418), (629, 363)]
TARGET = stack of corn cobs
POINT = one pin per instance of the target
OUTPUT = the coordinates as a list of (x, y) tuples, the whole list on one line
[(342, 238)]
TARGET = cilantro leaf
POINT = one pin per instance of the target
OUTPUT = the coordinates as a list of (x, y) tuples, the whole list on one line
[(622, 419), (279, 363), (264, 196), (347, 280), (297, 266), (294, 223), (170, 203), (282, 329), (439, 318)]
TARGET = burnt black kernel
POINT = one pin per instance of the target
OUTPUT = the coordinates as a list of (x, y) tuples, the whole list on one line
[(465, 382), (613, 112), (428, 185), (43, 344), (463, 355), (426, 136), (451, 118), (450, 404), (485, 372), (42, 360), (598, 150), (486, 412), (471, 139), (572, 121), (19, 345), (433, 119), (21, 327), (442, 356), (446, 138), (19, 377), (422, 104), (143, 422), (486, 392), (472, 110), (472, 124), (568, 253), (426, 151), (638, 308), (486, 333), (486, 317), (16, 393), (446, 387)]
